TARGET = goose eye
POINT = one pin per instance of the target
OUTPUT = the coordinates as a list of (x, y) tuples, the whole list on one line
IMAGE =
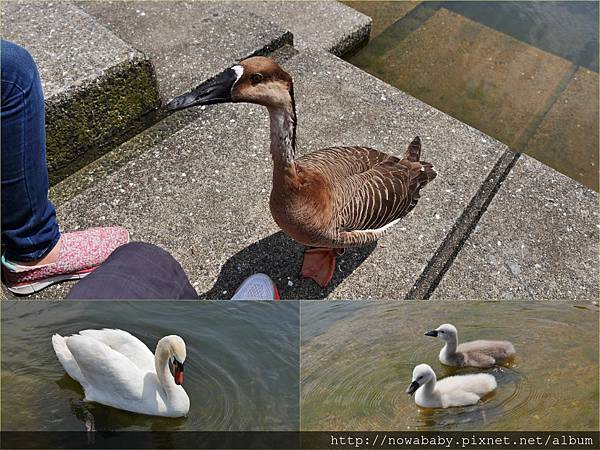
[(441, 331), (256, 78), (420, 377)]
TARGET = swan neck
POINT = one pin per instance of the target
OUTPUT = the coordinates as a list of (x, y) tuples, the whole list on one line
[(450, 347), (429, 387), (161, 365)]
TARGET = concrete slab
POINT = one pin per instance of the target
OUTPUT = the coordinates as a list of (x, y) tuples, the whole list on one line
[(203, 193), (480, 76), (567, 138), (328, 25), (189, 42), (383, 14), (97, 87), (537, 240)]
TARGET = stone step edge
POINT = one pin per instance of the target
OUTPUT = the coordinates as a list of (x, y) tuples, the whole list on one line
[(90, 119), (85, 122), (164, 125)]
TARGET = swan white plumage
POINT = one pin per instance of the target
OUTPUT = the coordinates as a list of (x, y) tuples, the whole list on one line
[(458, 390), (478, 353), (117, 369)]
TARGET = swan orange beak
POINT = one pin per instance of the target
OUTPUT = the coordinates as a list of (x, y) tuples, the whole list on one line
[(178, 375), (177, 371)]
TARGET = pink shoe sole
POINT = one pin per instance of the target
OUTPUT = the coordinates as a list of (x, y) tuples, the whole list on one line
[(32, 288), (81, 252)]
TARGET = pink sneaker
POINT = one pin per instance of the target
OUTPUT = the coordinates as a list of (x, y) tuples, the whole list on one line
[(80, 253)]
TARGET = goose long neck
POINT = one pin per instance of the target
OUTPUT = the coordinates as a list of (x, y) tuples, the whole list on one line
[(283, 135), (161, 365)]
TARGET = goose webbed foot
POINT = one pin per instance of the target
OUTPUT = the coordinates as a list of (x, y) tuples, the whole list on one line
[(319, 264)]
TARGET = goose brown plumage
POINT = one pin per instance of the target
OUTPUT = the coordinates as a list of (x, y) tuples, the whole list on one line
[(329, 199)]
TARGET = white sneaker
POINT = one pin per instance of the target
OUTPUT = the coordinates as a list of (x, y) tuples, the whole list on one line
[(257, 287)]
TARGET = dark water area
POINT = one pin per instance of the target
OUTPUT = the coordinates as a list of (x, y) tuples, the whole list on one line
[(524, 72), (567, 29)]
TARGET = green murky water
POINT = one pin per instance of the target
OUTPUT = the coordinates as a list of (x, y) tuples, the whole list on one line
[(354, 370), (525, 72), (241, 367)]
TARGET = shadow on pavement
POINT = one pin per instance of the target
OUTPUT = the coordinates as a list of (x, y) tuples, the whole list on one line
[(280, 257)]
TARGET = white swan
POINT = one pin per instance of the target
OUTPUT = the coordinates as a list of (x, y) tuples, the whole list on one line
[(117, 369), (470, 354), (459, 390)]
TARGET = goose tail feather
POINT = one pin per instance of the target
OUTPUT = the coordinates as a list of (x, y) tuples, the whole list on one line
[(413, 153)]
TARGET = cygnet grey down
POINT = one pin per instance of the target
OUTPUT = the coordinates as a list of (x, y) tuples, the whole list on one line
[(479, 353)]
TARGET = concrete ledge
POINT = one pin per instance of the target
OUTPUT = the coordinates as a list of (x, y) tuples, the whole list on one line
[(91, 119), (327, 25), (97, 87), (202, 193), (189, 42), (538, 240), (383, 14)]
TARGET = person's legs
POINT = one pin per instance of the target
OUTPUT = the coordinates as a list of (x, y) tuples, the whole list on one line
[(29, 227), (34, 252), (136, 271)]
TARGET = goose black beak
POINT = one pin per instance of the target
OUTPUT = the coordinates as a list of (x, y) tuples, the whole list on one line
[(432, 333), (412, 388), (215, 90)]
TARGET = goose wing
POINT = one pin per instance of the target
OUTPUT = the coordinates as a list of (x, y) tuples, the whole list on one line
[(109, 376), (338, 163), (126, 344), (372, 189)]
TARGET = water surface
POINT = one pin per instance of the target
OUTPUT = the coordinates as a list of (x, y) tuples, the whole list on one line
[(354, 371), (241, 371), (523, 72)]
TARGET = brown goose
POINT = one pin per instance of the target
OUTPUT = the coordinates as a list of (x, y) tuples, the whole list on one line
[(332, 198)]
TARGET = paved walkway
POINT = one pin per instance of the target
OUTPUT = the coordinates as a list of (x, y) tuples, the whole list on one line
[(197, 182)]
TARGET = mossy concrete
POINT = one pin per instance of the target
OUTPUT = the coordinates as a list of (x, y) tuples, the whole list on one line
[(98, 89), (98, 170), (89, 120)]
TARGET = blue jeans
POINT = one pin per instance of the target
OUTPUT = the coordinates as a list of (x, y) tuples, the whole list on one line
[(29, 226)]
